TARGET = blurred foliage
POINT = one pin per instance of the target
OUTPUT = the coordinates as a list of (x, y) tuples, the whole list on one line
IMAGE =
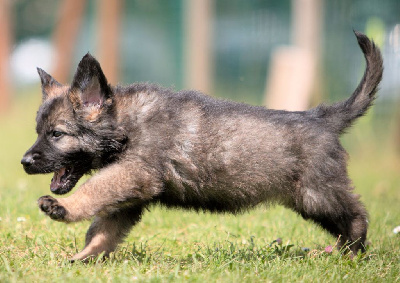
[(34, 18), (244, 35)]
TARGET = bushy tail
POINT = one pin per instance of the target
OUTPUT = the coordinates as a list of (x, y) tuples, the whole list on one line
[(342, 114)]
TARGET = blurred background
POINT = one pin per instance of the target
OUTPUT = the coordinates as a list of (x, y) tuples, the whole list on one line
[(279, 53)]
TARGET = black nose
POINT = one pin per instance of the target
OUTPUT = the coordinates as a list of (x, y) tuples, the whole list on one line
[(29, 159)]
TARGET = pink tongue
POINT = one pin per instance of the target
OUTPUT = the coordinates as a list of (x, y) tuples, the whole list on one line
[(56, 181)]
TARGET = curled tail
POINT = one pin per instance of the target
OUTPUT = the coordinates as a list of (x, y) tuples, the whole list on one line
[(342, 114)]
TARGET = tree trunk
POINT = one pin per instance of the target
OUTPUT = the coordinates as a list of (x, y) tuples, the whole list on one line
[(198, 41), (5, 50), (108, 30), (293, 77), (65, 35)]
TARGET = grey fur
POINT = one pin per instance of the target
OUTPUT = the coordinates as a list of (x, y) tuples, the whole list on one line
[(187, 150)]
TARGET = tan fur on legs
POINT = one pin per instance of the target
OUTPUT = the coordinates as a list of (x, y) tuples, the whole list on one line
[(105, 233)]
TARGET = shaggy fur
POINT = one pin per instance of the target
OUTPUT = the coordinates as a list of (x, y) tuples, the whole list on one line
[(148, 145)]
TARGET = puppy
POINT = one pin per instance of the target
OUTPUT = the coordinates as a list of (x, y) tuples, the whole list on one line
[(150, 145)]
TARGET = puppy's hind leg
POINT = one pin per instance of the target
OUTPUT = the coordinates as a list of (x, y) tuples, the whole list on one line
[(105, 233), (338, 211)]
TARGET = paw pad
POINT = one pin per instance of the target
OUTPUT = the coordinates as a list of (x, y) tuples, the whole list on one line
[(52, 208)]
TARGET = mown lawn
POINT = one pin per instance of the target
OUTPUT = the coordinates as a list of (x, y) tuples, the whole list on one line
[(263, 245)]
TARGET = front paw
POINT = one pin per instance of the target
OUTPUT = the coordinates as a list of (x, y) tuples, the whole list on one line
[(52, 208)]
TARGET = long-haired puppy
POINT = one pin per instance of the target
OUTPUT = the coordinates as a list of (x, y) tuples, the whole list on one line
[(148, 144)]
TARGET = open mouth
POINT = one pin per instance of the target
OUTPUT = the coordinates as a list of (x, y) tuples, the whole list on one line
[(64, 180)]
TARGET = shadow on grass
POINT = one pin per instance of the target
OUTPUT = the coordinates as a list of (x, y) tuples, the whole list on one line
[(228, 255), (223, 254)]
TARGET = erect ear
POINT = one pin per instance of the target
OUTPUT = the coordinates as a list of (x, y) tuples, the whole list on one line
[(48, 84), (89, 86)]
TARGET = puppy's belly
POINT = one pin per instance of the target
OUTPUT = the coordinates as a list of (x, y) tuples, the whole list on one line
[(224, 196)]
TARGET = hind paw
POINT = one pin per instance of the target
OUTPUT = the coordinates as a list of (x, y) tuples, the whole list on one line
[(52, 208)]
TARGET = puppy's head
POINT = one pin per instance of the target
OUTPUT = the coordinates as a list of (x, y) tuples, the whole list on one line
[(76, 127)]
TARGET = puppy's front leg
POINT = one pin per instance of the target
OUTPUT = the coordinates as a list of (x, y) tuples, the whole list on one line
[(117, 185)]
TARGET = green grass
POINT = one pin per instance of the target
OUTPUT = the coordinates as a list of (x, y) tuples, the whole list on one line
[(178, 246)]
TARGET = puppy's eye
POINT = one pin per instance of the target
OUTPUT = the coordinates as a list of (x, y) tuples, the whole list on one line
[(57, 134)]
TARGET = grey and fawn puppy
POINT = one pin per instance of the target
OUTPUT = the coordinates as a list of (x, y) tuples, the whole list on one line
[(149, 145)]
